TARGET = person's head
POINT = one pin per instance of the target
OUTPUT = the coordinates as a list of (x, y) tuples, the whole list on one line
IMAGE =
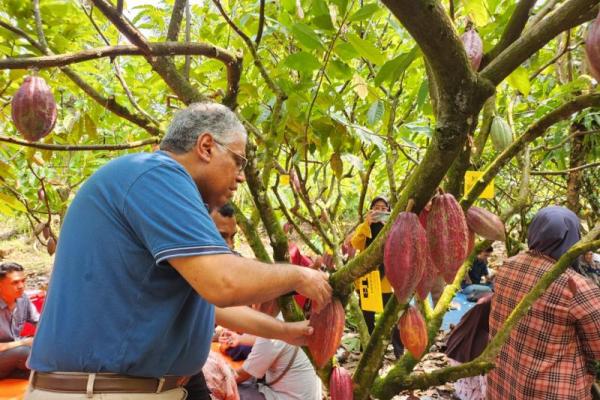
[(210, 142), (553, 231), (224, 218), (379, 203), (485, 254), (12, 281), (588, 257)]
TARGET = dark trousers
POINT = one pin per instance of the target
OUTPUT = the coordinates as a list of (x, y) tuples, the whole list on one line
[(12, 362), (197, 389), (370, 320)]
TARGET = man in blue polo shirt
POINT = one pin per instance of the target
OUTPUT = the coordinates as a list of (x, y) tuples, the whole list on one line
[(140, 268)]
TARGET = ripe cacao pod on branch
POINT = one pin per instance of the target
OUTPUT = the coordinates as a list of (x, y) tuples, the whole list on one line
[(406, 255), (340, 384), (501, 134), (413, 331), (592, 48), (447, 235), (328, 328), (485, 223), (473, 47), (51, 246), (34, 109)]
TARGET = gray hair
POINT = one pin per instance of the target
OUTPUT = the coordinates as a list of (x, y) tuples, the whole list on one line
[(200, 118)]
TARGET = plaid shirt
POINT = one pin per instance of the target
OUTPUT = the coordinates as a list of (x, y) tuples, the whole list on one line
[(550, 352)]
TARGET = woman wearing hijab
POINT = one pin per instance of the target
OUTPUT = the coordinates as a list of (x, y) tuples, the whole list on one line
[(550, 353), (364, 235)]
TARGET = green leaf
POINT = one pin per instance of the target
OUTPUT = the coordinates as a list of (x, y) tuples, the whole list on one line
[(345, 51), (6, 170), (366, 49), (477, 11), (365, 12), (375, 112), (306, 36), (519, 79), (12, 202), (302, 61), (391, 70)]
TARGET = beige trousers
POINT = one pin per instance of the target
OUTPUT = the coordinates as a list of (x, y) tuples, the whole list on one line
[(37, 394)]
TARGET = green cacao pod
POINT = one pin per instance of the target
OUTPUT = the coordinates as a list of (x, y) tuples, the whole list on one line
[(501, 134)]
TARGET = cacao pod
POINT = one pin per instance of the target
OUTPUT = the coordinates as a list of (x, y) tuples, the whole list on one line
[(485, 223), (328, 328), (413, 332), (406, 255), (46, 232), (427, 280), (471, 241), (592, 48), (502, 135), (473, 47), (51, 246), (447, 235), (328, 260), (340, 384), (41, 194), (34, 109)]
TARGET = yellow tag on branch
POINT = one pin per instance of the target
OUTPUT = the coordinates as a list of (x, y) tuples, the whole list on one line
[(369, 288), (284, 179), (471, 177)]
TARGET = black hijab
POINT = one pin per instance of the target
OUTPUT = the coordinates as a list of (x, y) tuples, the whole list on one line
[(553, 231)]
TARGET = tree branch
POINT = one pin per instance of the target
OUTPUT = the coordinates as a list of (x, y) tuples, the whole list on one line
[(252, 236), (512, 31), (569, 15), (175, 22), (76, 147), (156, 49), (566, 171), (109, 103), (163, 66), (261, 23), (533, 131)]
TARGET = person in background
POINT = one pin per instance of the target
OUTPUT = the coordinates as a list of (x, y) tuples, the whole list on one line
[(365, 233), (15, 310), (589, 267), (287, 371), (474, 283), (550, 352)]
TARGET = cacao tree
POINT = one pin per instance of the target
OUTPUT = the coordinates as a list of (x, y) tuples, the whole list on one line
[(343, 100)]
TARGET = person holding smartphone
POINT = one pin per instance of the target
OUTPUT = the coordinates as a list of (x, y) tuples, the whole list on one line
[(364, 235)]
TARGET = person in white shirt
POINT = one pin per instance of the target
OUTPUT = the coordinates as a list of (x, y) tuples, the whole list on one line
[(287, 371)]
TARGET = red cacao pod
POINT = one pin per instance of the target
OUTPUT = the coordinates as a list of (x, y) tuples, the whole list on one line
[(41, 194), (447, 235), (427, 281), (406, 255), (46, 232), (340, 384), (34, 109), (471, 241), (592, 48), (473, 47), (413, 332), (485, 223), (328, 328)]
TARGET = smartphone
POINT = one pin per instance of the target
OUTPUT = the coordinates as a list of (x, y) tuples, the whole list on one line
[(380, 216)]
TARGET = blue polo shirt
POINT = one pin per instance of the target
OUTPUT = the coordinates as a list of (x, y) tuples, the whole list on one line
[(114, 303)]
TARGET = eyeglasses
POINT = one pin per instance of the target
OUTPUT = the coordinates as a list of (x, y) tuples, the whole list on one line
[(240, 160)]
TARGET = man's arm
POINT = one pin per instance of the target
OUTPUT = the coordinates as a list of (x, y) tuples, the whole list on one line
[(247, 320), (226, 280), (11, 345), (241, 375)]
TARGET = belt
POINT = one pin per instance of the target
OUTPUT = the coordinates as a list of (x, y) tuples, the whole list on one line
[(76, 382)]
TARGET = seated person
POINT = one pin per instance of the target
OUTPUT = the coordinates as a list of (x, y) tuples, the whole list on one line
[(287, 372), (473, 284), (15, 310), (589, 267)]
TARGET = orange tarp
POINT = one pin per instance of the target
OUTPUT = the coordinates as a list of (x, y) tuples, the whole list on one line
[(12, 389)]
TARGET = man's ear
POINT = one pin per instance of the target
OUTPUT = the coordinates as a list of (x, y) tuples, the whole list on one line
[(204, 146)]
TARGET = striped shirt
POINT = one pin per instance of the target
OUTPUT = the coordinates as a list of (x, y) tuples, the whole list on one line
[(550, 353)]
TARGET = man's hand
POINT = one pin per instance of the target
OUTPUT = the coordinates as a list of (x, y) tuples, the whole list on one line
[(296, 333), (315, 285)]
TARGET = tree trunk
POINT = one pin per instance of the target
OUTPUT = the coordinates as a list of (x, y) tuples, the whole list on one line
[(577, 158)]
